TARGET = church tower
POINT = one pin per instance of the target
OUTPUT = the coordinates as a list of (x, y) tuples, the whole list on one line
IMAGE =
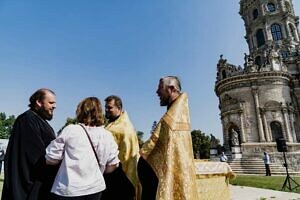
[(271, 25), (260, 101)]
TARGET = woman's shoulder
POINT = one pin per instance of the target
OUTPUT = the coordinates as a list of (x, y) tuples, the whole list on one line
[(105, 132), (71, 128)]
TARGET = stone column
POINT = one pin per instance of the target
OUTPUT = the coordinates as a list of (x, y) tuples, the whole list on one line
[(297, 33), (292, 126), (287, 124), (267, 33), (242, 131), (225, 134), (265, 124), (258, 118), (288, 31)]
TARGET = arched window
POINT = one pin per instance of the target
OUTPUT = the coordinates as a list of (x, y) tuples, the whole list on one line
[(276, 130), (255, 14), (223, 74), (276, 32), (271, 7), (260, 38), (258, 61)]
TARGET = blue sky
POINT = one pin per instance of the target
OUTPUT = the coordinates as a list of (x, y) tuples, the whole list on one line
[(103, 47)]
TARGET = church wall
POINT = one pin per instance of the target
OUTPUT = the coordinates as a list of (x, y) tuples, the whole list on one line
[(275, 92), (273, 99), (255, 150), (293, 68), (251, 131), (246, 106), (292, 158)]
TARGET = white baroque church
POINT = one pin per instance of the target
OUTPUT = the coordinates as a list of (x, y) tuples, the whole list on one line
[(260, 101)]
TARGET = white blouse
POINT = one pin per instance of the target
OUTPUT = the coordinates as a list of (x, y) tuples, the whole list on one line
[(79, 172)]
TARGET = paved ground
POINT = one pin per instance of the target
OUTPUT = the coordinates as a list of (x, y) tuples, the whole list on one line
[(249, 193)]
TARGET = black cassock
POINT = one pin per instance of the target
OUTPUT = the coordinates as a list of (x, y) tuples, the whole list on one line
[(27, 177)]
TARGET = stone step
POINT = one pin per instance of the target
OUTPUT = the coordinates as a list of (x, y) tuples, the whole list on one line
[(257, 169), (260, 171), (253, 164), (256, 166)]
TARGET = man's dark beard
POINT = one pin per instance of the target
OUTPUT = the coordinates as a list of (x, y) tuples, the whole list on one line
[(111, 118), (44, 114), (164, 102)]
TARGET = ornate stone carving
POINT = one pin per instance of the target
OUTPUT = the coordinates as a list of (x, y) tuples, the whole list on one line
[(227, 100), (234, 138)]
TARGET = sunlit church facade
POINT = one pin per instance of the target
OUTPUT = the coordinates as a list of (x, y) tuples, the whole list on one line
[(260, 101)]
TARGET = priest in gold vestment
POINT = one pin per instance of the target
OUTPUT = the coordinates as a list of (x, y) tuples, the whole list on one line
[(169, 151), (126, 138)]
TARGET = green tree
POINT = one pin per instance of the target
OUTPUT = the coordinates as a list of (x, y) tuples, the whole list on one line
[(202, 144), (2, 116), (6, 125), (69, 121), (215, 144), (140, 135)]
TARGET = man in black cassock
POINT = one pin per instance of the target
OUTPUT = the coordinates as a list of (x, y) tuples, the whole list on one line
[(26, 175)]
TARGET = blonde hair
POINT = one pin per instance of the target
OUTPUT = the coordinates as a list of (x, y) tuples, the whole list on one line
[(89, 112)]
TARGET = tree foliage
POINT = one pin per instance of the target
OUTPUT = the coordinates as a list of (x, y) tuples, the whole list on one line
[(69, 121), (6, 125), (215, 144), (202, 144), (140, 135)]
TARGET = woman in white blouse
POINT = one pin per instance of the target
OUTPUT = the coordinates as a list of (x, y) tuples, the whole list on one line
[(80, 174)]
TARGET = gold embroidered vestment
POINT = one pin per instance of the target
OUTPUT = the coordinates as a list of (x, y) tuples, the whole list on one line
[(126, 138), (169, 152)]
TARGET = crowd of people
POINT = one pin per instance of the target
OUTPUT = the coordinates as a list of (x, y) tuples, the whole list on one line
[(99, 158)]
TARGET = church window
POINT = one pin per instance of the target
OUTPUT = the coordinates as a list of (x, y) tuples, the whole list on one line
[(271, 7), (255, 14), (223, 74), (276, 130), (258, 60), (260, 38), (276, 32), (284, 54)]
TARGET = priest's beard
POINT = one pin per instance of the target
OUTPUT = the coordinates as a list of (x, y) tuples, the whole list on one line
[(45, 114), (110, 117), (164, 100)]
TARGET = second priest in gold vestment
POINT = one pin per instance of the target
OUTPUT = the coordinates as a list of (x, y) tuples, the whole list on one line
[(169, 150), (126, 138)]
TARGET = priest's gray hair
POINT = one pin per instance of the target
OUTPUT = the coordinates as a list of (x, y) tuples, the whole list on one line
[(172, 81)]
